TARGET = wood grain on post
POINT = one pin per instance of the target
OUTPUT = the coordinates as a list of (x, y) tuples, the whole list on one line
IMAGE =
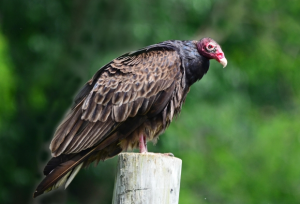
[(147, 179)]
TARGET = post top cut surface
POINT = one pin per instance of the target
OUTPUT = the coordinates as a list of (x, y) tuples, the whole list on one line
[(149, 155)]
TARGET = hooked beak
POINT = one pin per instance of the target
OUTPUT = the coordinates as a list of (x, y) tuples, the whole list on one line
[(220, 57), (223, 62)]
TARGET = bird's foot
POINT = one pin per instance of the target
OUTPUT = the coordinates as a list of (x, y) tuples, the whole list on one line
[(143, 147), (163, 154)]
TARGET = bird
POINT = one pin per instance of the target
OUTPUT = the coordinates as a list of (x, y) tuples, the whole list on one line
[(127, 103)]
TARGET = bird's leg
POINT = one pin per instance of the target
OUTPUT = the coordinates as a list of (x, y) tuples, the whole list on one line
[(143, 144)]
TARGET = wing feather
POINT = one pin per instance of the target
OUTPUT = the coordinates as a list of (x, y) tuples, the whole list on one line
[(126, 87)]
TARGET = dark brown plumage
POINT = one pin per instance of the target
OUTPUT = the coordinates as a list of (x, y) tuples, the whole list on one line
[(131, 99)]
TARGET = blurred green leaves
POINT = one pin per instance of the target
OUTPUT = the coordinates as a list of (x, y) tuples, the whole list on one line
[(7, 82)]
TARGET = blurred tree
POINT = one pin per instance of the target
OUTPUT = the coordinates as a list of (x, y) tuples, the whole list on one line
[(238, 134)]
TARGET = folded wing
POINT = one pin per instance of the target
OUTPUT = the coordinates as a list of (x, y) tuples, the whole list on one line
[(124, 88)]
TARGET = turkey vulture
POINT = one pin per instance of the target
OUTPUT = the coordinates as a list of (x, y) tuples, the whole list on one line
[(129, 101)]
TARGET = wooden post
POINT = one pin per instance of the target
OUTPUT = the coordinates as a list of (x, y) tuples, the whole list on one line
[(147, 179)]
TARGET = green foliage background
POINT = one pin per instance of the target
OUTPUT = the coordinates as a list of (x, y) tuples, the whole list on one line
[(238, 133)]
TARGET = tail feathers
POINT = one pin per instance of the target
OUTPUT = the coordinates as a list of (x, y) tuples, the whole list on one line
[(60, 175), (57, 184), (63, 169), (73, 174), (63, 173), (56, 161), (67, 179)]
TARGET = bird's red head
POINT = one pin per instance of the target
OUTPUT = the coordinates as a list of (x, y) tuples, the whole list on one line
[(212, 50)]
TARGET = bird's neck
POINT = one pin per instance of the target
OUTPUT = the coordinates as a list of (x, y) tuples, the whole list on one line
[(195, 69)]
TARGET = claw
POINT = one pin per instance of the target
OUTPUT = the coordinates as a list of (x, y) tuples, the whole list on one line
[(169, 154)]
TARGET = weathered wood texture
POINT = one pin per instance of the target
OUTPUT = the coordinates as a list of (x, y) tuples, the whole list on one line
[(147, 179)]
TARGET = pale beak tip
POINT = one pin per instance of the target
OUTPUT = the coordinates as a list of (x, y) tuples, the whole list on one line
[(223, 62)]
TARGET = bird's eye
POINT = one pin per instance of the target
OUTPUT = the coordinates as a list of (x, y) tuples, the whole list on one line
[(209, 47)]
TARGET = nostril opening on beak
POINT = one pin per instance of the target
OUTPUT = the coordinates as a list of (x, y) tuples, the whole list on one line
[(220, 55)]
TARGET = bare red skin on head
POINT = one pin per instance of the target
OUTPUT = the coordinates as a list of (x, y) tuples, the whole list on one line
[(216, 53)]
